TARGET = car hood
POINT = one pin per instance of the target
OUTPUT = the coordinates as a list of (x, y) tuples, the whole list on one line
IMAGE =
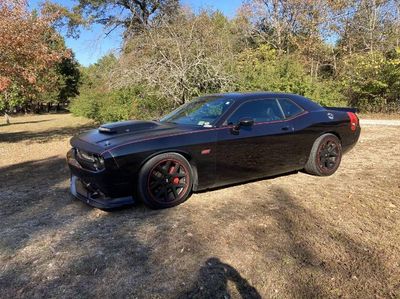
[(113, 134)]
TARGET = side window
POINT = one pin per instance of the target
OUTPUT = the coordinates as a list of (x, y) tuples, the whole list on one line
[(259, 110), (289, 108)]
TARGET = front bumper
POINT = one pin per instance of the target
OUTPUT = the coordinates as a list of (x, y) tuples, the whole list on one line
[(96, 198), (98, 189)]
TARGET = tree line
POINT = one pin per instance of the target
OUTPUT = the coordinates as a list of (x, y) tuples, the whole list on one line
[(335, 52)]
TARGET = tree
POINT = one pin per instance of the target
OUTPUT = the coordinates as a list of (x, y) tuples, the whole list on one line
[(367, 25), (314, 48), (284, 24), (371, 81), (180, 59), (99, 75), (132, 15), (68, 69), (295, 26), (27, 51)]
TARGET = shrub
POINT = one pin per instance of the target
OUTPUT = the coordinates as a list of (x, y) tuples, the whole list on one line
[(86, 104), (263, 69), (121, 104), (371, 81)]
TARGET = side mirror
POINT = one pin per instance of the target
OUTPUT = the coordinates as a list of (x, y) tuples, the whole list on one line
[(243, 122)]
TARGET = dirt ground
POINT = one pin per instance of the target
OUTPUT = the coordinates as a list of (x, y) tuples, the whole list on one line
[(296, 236), (379, 115)]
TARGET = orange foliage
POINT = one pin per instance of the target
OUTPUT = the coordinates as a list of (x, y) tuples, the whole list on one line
[(4, 83), (26, 50)]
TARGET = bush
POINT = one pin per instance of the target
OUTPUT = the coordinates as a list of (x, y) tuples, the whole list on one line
[(371, 81), (122, 104), (263, 69), (326, 93), (86, 104), (117, 105)]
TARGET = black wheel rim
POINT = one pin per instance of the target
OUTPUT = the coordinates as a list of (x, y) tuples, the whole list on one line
[(328, 155), (168, 181)]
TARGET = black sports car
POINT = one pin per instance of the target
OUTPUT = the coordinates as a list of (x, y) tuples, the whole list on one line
[(209, 142)]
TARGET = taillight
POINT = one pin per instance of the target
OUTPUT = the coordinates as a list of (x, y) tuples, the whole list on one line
[(353, 120)]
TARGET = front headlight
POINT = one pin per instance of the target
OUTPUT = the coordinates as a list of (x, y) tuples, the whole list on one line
[(99, 163), (92, 160)]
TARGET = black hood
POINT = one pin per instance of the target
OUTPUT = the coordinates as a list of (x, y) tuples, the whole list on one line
[(114, 134)]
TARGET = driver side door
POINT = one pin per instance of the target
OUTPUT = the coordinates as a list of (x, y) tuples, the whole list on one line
[(255, 151)]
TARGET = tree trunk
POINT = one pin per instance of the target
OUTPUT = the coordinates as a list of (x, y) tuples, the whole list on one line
[(7, 118)]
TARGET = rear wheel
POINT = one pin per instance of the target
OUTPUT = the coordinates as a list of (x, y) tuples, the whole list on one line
[(165, 181), (325, 156)]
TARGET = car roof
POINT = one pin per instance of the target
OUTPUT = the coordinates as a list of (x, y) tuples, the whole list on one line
[(247, 95), (304, 102)]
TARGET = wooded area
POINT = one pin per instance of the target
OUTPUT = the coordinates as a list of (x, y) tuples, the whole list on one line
[(335, 52)]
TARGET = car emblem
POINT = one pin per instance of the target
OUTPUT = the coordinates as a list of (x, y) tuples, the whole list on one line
[(330, 115)]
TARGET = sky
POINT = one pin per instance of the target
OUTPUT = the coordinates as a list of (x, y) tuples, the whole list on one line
[(92, 44)]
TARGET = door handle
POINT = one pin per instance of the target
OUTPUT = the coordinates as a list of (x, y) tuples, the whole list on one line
[(286, 128)]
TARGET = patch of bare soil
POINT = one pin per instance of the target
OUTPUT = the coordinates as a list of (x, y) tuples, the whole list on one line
[(293, 236)]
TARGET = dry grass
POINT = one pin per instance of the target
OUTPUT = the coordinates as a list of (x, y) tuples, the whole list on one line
[(295, 236)]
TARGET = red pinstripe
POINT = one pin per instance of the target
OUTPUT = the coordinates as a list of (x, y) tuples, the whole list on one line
[(203, 130)]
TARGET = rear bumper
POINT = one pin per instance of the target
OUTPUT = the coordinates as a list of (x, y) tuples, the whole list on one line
[(102, 189), (352, 141)]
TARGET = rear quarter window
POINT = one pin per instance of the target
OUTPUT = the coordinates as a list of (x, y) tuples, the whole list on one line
[(290, 108)]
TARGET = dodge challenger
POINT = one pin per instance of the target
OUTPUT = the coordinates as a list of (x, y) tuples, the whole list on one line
[(212, 141)]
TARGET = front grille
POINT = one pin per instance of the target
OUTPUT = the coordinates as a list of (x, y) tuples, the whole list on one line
[(88, 190)]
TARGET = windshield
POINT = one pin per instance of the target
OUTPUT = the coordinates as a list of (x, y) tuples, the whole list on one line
[(201, 112)]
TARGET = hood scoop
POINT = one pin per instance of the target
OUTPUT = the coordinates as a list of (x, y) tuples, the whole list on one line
[(127, 126)]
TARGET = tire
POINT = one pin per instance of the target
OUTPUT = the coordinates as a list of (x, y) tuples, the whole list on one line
[(325, 156), (165, 181)]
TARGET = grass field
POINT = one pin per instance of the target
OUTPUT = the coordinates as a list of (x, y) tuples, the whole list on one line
[(296, 236)]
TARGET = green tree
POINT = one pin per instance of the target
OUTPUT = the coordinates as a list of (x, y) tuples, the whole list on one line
[(68, 69)]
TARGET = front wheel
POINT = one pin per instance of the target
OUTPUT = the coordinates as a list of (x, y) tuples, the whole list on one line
[(165, 181), (325, 156)]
